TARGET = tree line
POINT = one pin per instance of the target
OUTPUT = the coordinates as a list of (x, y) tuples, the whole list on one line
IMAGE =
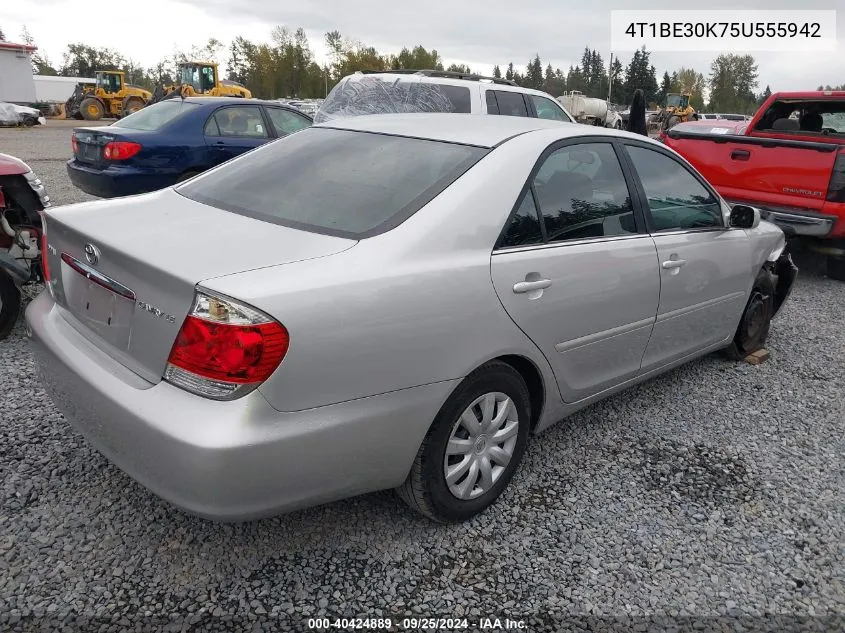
[(286, 66)]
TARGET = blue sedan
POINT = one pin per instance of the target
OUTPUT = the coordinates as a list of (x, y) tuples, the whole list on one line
[(174, 140)]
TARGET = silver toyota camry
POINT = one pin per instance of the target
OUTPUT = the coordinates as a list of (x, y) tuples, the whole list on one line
[(390, 301)]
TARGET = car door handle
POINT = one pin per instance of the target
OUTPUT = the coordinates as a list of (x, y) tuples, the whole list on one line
[(740, 154), (673, 263), (529, 286)]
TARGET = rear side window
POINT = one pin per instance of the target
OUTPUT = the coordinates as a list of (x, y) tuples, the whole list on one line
[(241, 121), (459, 97), (337, 182), (581, 193), (508, 103), (156, 116)]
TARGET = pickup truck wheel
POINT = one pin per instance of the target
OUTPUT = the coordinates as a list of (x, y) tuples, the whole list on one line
[(10, 304), (836, 267), (756, 319), (473, 448)]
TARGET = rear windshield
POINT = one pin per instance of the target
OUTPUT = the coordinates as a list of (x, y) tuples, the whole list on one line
[(375, 95), (337, 182), (156, 116)]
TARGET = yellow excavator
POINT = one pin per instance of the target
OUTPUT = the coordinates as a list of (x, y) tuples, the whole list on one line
[(677, 110), (200, 79), (109, 96)]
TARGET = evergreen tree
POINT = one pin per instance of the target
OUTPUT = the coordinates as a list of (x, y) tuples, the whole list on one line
[(497, 72)]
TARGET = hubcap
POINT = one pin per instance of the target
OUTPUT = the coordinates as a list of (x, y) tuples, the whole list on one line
[(481, 445)]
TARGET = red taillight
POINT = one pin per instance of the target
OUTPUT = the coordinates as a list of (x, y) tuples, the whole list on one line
[(836, 187), (74, 144), (120, 150), (225, 349)]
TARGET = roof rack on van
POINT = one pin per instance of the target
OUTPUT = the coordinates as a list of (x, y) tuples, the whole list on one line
[(442, 73)]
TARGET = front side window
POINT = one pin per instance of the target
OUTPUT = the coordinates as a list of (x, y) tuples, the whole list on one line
[(582, 193), (240, 121), (336, 182), (548, 109), (676, 199)]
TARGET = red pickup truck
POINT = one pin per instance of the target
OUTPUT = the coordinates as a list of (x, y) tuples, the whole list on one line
[(788, 161)]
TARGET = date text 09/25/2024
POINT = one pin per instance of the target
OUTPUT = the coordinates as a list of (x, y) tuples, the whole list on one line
[(415, 624)]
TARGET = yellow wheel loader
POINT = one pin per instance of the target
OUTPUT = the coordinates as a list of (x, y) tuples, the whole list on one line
[(200, 79), (110, 96), (677, 110)]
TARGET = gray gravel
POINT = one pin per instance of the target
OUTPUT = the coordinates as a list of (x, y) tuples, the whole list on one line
[(715, 491)]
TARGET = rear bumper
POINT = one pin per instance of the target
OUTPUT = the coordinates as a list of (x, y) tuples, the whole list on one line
[(794, 221), (116, 181), (227, 461)]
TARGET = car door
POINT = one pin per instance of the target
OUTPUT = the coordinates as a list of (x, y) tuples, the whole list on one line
[(233, 130), (705, 266), (285, 121), (576, 270)]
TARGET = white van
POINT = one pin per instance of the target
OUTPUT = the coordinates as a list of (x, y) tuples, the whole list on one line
[(380, 92)]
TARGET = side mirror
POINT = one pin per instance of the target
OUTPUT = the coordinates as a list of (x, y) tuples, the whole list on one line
[(745, 217)]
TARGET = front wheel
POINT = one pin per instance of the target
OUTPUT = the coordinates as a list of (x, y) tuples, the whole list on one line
[(756, 319), (10, 304), (92, 109), (473, 448)]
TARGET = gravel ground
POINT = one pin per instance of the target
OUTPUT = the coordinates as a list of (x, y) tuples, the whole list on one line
[(714, 492)]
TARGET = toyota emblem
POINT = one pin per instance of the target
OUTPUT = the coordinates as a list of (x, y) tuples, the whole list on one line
[(92, 254)]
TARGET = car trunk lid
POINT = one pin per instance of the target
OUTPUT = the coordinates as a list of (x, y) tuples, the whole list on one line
[(91, 141), (124, 272)]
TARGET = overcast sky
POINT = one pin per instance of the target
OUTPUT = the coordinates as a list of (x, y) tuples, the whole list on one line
[(480, 34)]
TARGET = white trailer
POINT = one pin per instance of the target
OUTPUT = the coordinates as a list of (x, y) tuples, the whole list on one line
[(50, 89), (588, 110)]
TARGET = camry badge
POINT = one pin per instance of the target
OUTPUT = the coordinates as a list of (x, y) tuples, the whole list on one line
[(92, 254)]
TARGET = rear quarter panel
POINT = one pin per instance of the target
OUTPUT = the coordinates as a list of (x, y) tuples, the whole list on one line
[(410, 307)]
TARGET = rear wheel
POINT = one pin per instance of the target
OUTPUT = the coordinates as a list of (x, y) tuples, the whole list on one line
[(836, 267), (10, 304), (473, 448), (756, 319), (91, 109)]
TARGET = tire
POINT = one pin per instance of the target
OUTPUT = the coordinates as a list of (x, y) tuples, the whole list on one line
[(426, 489), (836, 267), (618, 125), (131, 105), (10, 304), (29, 122), (91, 109), (753, 329)]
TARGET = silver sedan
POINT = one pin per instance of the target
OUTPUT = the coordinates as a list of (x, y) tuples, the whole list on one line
[(390, 301)]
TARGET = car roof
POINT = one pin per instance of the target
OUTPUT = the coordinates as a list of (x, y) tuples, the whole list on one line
[(466, 129), (448, 79), (216, 101)]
